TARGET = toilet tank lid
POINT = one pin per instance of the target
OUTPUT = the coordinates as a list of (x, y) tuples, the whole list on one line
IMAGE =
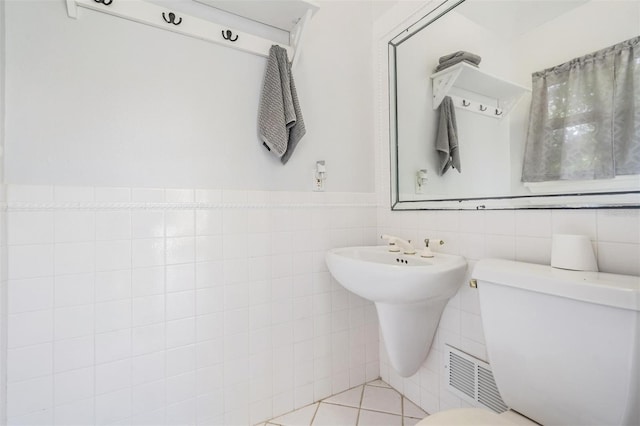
[(621, 291)]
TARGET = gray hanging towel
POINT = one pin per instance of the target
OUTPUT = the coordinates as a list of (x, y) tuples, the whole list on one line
[(280, 122), (447, 137)]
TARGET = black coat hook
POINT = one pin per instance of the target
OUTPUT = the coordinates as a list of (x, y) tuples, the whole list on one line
[(498, 112), (105, 2), (465, 103), (171, 19), (228, 34), (483, 108)]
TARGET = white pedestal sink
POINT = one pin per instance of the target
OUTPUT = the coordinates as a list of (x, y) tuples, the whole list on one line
[(410, 293)]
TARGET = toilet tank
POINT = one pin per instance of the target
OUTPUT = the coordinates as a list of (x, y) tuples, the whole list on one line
[(564, 346)]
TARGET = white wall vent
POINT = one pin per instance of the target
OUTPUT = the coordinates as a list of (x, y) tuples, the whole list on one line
[(472, 380)]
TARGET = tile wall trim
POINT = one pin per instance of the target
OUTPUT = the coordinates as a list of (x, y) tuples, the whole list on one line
[(54, 197), (24, 206)]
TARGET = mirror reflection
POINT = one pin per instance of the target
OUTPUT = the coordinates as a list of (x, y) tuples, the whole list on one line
[(488, 89)]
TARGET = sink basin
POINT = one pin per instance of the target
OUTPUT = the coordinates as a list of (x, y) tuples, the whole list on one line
[(410, 292), (378, 275)]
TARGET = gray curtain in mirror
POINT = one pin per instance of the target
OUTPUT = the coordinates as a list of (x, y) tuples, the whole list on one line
[(585, 117)]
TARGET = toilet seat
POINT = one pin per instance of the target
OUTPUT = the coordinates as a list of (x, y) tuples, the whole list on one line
[(475, 417)]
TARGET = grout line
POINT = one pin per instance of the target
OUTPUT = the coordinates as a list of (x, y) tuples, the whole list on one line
[(293, 411), (131, 298), (54, 308), (359, 407), (314, 414), (377, 385), (360, 404), (164, 319), (377, 411), (340, 405)]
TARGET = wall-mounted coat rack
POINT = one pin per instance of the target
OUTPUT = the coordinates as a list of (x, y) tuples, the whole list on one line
[(485, 109), (161, 17), (496, 97)]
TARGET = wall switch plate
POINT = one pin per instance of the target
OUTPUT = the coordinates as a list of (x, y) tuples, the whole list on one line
[(421, 180), (319, 176), (318, 184)]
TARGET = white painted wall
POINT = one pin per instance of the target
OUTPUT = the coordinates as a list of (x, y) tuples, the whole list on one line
[(104, 101), (593, 26)]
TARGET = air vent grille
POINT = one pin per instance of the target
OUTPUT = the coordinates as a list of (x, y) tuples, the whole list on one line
[(488, 393), (461, 374), (472, 380)]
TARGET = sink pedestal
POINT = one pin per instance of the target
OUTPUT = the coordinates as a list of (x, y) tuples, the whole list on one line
[(408, 332), (409, 291)]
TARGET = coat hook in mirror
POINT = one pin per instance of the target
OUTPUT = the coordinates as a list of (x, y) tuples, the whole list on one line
[(498, 112), (105, 2), (171, 19), (228, 35), (483, 108), (465, 103)]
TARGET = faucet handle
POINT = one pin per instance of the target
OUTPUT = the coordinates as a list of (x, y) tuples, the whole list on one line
[(426, 252), (393, 247), (428, 241)]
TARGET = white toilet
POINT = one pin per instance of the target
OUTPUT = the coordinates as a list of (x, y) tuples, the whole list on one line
[(564, 346)]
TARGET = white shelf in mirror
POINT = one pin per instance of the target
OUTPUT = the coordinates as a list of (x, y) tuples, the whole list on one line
[(290, 16), (495, 96)]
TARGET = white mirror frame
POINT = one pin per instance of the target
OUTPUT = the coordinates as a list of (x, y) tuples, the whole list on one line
[(408, 17)]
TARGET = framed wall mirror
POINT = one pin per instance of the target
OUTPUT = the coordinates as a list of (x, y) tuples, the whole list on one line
[(492, 99)]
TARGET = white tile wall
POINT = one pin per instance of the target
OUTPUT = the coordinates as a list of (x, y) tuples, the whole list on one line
[(152, 315), (520, 235), (228, 315)]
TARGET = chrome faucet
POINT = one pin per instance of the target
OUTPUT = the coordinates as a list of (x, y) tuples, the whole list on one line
[(396, 243)]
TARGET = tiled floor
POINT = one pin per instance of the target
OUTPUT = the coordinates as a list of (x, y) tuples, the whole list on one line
[(372, 404)]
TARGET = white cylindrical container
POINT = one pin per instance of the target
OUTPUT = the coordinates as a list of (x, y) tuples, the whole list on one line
[(573, 252)]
